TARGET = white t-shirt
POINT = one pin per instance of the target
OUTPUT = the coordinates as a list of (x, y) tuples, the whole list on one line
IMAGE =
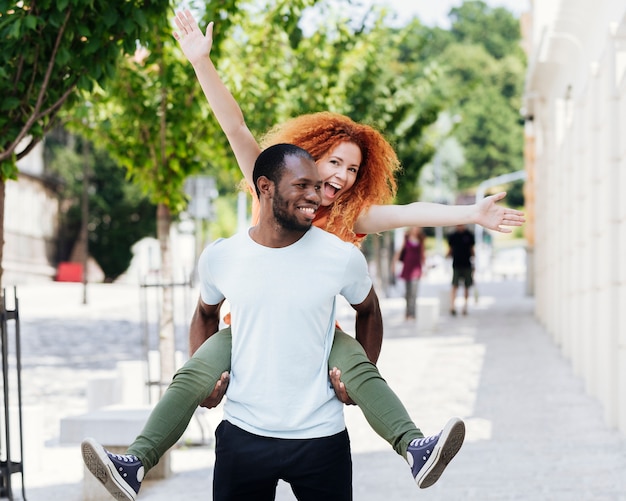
[(282, 304)]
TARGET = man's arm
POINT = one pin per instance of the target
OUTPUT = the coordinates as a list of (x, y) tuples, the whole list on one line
[(204, 323), (369, 332), (369, 325)]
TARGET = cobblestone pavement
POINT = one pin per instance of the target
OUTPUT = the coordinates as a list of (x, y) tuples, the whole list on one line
[(532, 431)]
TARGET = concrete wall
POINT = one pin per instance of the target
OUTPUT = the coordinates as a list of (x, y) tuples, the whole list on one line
[(30, 224), (575, 108)]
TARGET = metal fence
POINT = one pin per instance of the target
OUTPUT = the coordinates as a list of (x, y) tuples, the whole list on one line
[(151, 301), (11, 388)]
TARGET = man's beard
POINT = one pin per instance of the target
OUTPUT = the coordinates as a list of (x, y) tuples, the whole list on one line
[(286, 220)]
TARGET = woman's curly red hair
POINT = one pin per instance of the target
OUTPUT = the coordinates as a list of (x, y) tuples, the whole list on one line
[(319, 133)]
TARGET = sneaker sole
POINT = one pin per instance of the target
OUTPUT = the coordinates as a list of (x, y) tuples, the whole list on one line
[(99, 464), (449, 443)]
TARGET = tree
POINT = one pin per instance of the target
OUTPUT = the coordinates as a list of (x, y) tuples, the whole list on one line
[(419, 99), (50, 50), (488, 99), (119, 215), (483, 70), (496, 29)]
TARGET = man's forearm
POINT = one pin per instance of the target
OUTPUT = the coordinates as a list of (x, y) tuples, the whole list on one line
[(203, 325), (369, 333), (369, 325)]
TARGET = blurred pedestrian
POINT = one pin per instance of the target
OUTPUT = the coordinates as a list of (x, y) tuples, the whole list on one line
[(412, 255), (461, 250)]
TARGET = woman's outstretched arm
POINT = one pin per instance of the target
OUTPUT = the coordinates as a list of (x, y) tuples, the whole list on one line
[(486, 213), (197, 49)]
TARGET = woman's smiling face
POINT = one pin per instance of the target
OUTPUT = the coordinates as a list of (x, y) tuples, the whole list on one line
[(338, 170)]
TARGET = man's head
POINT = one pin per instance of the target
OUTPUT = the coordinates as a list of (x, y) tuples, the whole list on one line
[(286, 176), (271, 162)]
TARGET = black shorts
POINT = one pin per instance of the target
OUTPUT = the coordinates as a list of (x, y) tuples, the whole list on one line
[(465, 275), (248, 466)]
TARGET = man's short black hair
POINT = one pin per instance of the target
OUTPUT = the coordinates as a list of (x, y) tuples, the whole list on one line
[(271, 162)]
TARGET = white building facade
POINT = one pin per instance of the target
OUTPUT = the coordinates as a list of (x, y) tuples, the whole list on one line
[(31, 211), (575, 110)]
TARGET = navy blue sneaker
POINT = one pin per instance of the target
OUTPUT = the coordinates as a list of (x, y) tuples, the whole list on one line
[(429, 456), (121, 474)]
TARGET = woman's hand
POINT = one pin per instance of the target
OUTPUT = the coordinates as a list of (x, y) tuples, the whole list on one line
[(194, 44), (492, 216)]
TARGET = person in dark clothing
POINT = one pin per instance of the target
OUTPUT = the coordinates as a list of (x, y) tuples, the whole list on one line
[(461, 250)]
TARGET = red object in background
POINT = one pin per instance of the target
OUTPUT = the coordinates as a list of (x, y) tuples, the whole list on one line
[(70, 272)]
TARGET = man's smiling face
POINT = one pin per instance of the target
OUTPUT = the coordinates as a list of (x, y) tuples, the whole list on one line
[(297, 195)]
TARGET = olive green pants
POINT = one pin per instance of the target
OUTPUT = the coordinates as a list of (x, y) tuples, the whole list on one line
[(197, 378)]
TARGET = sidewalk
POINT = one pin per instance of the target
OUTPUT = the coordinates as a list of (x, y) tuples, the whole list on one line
[(532, 432)]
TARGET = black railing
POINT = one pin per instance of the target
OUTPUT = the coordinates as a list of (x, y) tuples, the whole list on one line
[(10, 324), (151, 301)]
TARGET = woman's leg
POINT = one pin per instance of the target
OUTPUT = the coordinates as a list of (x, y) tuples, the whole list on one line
[(380, 405), (191, 385), (411, 297)]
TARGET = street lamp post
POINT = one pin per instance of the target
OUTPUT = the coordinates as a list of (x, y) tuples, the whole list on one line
[(84, 225)]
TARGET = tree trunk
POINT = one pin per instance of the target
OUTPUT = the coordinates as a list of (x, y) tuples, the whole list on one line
[(382, 257), (386, 257), (166, 321)]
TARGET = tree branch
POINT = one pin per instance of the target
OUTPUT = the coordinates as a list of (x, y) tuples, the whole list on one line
[(42, 92), (56, 106), (35, 140), (51, 112)]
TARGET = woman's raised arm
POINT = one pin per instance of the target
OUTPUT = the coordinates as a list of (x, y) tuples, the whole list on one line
[(197, 49)]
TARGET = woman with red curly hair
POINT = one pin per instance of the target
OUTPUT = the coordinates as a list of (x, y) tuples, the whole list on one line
[(355, 161), (357, 167)]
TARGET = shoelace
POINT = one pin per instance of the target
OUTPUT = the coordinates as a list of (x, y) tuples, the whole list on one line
[(127, 458), (419, 442)]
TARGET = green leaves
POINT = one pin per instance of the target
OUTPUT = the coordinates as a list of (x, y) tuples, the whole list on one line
[(110, 17), (48, 48), (8, 168), (480, 78), (9, 103)]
